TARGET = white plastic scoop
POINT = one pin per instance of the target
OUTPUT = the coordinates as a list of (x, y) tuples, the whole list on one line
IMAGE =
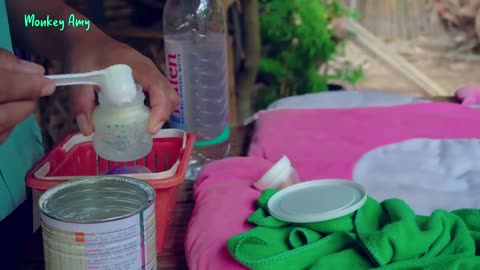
[(115, 82)]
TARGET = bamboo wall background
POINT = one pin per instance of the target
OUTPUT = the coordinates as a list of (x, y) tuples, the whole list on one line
[(117, 12), (398, 19)]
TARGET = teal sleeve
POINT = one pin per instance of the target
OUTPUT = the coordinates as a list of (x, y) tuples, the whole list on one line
[(5, 40), (23, 147)]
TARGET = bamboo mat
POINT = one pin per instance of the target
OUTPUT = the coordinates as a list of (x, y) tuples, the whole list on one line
[(398, 19)]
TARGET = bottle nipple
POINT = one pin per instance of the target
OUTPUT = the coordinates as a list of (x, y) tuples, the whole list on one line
[(117, 84)]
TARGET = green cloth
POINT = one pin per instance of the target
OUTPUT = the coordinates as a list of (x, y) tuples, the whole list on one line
[(22, 149), (387, 235)]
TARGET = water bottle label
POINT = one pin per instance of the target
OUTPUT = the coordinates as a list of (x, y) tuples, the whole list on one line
[(175, 75)]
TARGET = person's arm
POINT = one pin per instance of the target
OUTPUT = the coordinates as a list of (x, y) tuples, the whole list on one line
[(48, 41)]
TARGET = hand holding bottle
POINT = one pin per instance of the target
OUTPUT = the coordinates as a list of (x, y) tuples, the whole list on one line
[(87, 57)]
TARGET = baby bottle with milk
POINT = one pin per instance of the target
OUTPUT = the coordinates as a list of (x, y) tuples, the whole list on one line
[(121, 129), (121, 117)]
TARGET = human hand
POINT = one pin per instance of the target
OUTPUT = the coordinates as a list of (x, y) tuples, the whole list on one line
[(21, 84), (88, 56)]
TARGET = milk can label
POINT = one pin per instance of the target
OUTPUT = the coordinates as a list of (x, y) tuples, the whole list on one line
[(176, 76), (123, 244)]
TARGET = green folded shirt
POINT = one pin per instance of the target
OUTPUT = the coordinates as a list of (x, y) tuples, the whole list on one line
[(386, 235)]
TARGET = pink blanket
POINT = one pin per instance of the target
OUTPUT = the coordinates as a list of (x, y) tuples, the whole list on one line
[(321, 143)]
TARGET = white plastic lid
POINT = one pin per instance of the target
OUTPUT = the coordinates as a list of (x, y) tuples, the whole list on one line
[(275, 175), (318, 200)]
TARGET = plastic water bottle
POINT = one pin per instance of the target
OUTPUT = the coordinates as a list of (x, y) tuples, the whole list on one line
[(196, 61)]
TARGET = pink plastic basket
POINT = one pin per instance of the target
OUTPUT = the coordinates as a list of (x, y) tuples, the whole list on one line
[(75, 157)]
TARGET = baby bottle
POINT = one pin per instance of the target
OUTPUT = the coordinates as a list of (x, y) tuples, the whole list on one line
[(121, 128), (121, 118)]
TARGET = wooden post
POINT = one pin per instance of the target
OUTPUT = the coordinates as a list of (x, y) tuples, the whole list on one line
[(232, 97), (251, 43)]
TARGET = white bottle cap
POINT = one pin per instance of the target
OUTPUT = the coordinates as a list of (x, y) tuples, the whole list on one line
[(276, 175), (318, 200)]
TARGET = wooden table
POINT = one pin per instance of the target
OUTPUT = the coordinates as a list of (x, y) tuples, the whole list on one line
[(173, 255)]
